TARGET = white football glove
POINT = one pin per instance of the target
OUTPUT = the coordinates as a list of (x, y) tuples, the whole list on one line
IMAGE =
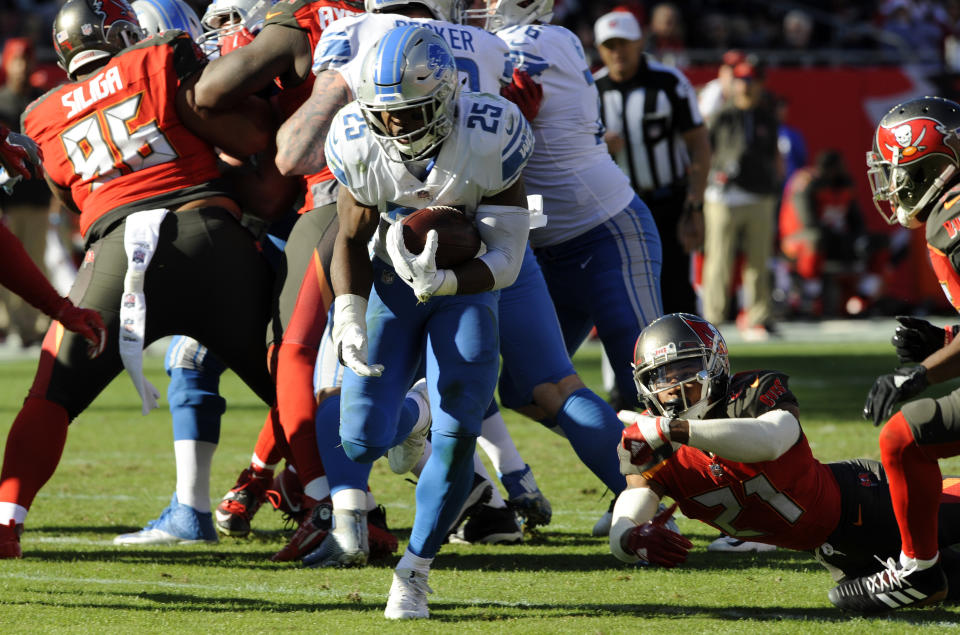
[(420, 270), (350, 335)]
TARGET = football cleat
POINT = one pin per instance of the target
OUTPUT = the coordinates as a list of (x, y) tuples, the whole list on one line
[(525, 498), (489, 526), (728, 543), (286, 494), (309, 534), (178, 524), (480, 493), (602, 526), (239, 505), (346, 546), (382, 543), (405, 456), (10, 540), (408, 596), (892, 588)]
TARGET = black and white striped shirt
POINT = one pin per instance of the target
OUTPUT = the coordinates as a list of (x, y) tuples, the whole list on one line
[(651, 111)]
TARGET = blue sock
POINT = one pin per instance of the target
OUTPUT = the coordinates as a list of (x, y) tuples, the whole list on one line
[(594, 431), (195, 404)]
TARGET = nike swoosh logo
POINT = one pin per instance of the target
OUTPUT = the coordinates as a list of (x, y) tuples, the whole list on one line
[(272, 14), (859, 522), (951, 202), (586, 262)]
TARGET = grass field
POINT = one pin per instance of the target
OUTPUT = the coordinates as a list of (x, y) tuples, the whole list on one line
[(117, 472)]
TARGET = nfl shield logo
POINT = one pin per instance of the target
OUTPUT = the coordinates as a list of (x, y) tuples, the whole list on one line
[(86, 29)]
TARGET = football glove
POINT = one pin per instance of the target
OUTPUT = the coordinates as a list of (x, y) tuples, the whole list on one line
[(87, 323), (350, 334), (916, 339), (653, 543), (420, 270), (647, 439), (525, 93), (19, 154), (889, 390)]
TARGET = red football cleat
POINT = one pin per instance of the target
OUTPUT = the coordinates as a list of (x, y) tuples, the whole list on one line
[(236, 510), (318, 520), (10, 540)]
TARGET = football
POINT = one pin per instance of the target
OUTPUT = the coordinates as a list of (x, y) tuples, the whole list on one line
[(458, 238)]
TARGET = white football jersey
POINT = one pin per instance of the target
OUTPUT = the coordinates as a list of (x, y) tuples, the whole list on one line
[(580, 183), (484, 155), (483, 60)]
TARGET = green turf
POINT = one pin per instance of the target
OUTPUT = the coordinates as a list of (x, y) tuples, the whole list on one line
[(117, 472)]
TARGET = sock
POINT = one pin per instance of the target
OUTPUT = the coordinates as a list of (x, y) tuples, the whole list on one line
[(915, 488), (496, 442), (34, 447), (194, 459), (14, 512), (342, 472), (427, 450), (594, 431), (496, 498), (442, 488), (411, 561), (317, 489), (350, 499), (907, 562), (266, 454), (297, 407)]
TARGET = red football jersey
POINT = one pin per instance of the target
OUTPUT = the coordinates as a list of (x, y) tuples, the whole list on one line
[(311, 18), (791, 502), (115, 138), (943, 243)]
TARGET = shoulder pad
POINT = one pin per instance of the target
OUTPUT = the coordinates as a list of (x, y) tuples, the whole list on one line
[(755, 392), (187, 56), (347, 147)]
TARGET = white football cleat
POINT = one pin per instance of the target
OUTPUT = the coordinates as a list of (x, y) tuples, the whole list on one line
[(408, 596), (406, 455), (726, 543), (347, 545)]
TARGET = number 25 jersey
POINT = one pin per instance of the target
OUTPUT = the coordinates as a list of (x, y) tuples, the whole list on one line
[(115, 138)]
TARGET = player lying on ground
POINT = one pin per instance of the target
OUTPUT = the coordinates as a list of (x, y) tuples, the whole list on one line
[(730, 451)]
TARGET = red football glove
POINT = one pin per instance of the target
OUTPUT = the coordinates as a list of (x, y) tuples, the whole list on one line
[(19, 154), (652, 542), (525, 93), (647, 439), (87, 323)]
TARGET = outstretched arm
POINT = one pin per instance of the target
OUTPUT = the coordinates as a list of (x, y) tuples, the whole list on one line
[(300, 140)]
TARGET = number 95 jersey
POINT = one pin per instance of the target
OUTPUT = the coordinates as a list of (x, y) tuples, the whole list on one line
[(484, 155)]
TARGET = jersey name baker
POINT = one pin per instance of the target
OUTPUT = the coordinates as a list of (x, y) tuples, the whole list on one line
[(100, 86), (458, 39)]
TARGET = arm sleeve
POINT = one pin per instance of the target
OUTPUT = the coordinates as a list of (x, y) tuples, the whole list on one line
[(634, 506), (746, 440), (504, 230), (19, 274)]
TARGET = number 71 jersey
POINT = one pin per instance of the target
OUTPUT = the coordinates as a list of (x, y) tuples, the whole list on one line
[(792, 502), (115, 138)]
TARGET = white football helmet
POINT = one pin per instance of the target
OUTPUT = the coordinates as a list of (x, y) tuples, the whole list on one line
[(234, 21), (411, 67), (500, 14), (448, 10), (681, 348), (157, 16)]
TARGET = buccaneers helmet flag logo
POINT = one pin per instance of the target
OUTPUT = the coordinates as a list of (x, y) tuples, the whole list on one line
[(113, 11), (914, 139), (703, 330)]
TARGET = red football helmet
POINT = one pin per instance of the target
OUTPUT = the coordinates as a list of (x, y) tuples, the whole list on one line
[(85, 31), (916, 152)]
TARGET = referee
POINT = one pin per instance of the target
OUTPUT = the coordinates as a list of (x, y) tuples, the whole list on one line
[(657, 136)]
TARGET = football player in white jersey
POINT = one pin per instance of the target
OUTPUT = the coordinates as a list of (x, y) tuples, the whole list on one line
[(411, 138)]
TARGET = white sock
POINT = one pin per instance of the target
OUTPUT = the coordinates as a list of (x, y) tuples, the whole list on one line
[(427, 451), (371, 501), (907, 562), (12, 511), (423, 418), (194, 459), (256, 461), (496, 499), (410, 561), (350, 500), (318, 489), (496, 442)]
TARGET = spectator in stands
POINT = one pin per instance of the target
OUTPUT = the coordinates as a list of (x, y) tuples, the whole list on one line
[(666, 39), (740, 200), (823, 235), (25, 211), (797, 30)]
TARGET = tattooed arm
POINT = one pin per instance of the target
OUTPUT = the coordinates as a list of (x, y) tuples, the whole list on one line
[(301, 137)]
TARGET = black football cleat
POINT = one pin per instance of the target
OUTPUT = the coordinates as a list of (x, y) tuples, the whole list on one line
[(892, 588)]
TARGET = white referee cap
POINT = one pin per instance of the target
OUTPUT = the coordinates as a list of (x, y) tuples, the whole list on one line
[(616, 24)]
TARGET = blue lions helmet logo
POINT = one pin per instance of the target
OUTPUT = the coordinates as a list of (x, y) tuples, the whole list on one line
[(438, 59)]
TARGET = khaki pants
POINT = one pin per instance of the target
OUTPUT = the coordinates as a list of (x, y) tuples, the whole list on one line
[(29, 224), (749, 227)]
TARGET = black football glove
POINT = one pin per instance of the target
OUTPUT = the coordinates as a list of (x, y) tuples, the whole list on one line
[(916, 339), (889, 390)]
